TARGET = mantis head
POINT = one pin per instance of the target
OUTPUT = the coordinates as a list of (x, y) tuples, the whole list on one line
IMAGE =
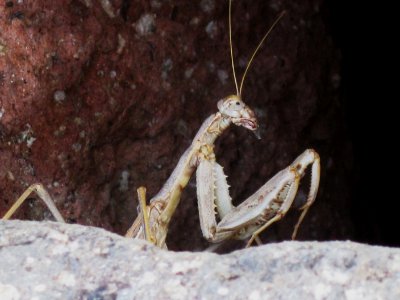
[(238, 112)]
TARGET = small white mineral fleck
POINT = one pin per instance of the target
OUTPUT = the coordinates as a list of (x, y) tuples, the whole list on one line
[(222, 291), (222, 76), (108, 8), (8, 291), (145, 25), (212, 29), (59, 96), (124, 181), (40, 288), (67, 279), (207, 5)]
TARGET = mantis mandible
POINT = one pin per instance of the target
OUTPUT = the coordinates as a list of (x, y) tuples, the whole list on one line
[(266, 206)]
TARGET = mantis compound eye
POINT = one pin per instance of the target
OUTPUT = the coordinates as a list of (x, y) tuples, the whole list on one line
[(231, 106)]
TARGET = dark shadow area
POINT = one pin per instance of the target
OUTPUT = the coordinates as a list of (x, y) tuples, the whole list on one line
[(373, 205)]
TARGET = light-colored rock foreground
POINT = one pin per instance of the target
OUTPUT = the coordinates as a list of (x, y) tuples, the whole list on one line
[(56, 261)]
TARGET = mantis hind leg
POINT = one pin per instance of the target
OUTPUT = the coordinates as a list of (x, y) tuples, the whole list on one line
[(43, 194), (144, 211), (145, 225)]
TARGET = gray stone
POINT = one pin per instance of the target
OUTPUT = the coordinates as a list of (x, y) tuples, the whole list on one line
[(57, 261)]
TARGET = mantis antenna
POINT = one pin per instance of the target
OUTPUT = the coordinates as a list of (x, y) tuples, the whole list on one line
[(230, 44), (239, 90)]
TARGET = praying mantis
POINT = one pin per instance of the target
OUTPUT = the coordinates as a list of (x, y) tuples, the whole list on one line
[(219, 219)]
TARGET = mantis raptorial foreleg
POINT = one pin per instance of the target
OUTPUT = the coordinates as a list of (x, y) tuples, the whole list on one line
[(43, 194), (268, 205)]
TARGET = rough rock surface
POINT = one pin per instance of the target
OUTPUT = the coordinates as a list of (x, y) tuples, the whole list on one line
[(96, 100), (58, 261)]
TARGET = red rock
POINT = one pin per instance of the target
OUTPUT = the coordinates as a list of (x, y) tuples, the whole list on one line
[(93, 106)]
